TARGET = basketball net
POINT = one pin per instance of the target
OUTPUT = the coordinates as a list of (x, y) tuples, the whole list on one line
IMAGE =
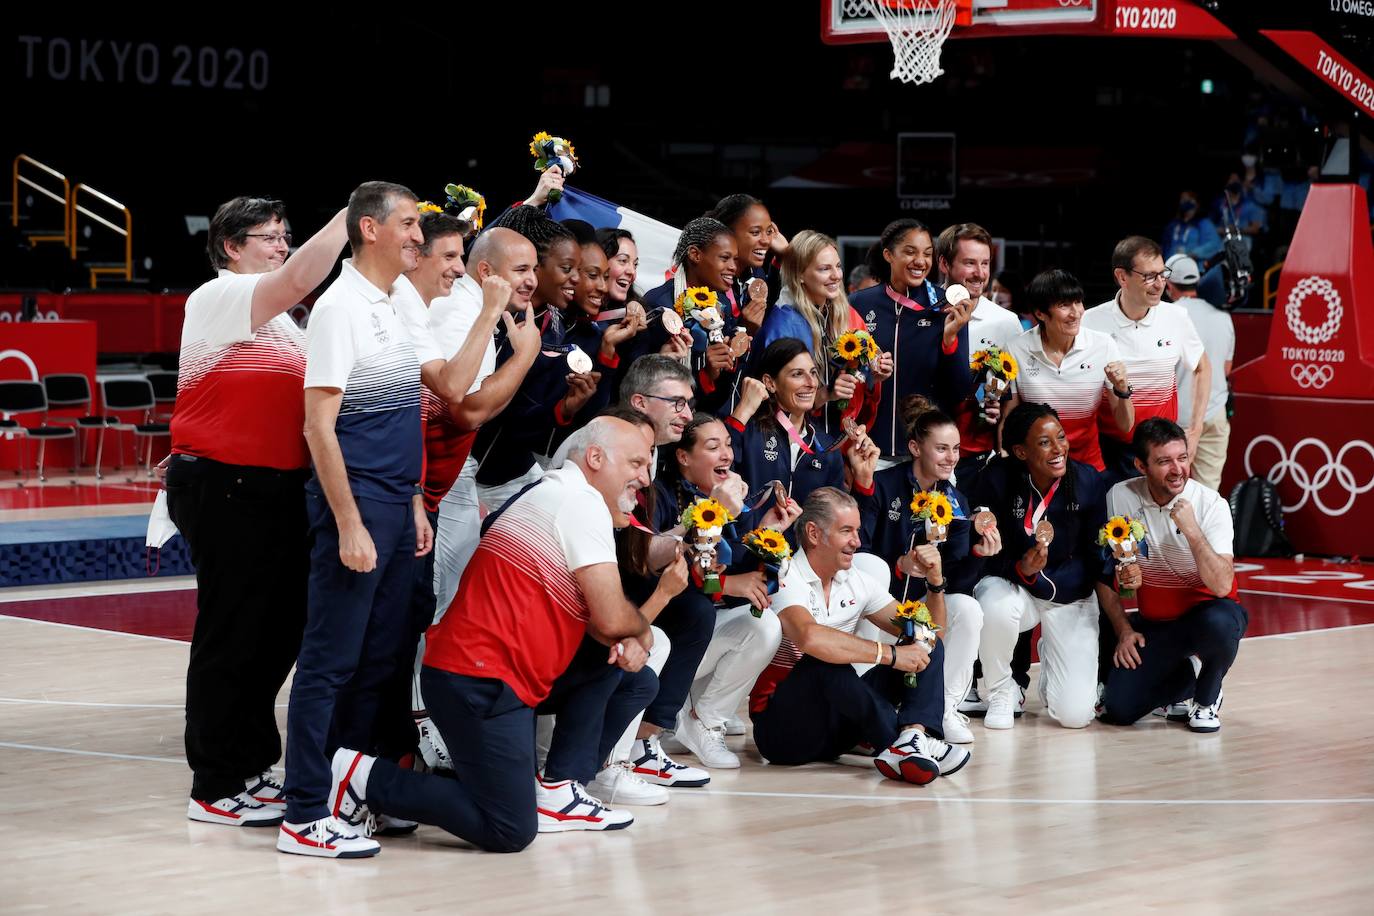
[(917, 29)]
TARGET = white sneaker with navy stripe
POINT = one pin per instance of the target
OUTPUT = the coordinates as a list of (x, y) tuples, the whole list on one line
[(266, 790), (240, 810), (652, 764), (328, 838), (348, 789), (565, 805)]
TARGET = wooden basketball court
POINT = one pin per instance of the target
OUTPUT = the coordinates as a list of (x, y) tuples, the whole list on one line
[(1275, 812)]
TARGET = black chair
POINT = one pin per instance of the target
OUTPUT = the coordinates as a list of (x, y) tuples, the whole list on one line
[(29, 397), (129, 394), (72, 389), (164, 393)]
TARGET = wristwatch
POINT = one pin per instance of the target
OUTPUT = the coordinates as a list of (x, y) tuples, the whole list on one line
[(1124, 395), (937, 589)]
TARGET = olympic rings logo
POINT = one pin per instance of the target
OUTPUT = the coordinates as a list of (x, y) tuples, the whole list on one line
[(1306, 333), (1313, 484), (1310, 375)]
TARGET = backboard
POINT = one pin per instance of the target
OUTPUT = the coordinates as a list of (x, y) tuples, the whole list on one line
[(850, 22)]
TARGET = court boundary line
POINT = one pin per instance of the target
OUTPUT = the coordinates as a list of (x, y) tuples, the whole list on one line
[(77, 626), (824, 796), (22, 701), (1252, 591)]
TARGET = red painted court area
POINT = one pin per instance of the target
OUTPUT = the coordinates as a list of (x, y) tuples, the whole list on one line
[(114, 491), (1282, 596)]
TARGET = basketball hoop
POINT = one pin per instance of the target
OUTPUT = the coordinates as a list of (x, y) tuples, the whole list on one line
[(917, 30)]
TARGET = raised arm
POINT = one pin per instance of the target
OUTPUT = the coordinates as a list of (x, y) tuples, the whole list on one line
[(306, 269), (451, 380)]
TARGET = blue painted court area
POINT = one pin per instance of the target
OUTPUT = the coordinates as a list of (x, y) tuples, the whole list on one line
[(85, 550), (72, 529)]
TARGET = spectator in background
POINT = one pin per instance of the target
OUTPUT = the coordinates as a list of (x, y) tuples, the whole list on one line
[(1294, 194), (1218, 335), (861, 278), (1262, 185), (1234, 206), (1007, 291), (1191, 233)]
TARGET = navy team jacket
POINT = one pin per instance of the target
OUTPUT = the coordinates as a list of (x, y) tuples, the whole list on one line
[(713, 396), (1077, 514), (763, 453), (887, 528), (914, 335)]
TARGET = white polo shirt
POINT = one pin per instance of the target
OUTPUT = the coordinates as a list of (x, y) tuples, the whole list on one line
[(1077, 388), (1153, 349), (1171, 583), (1218, 333), (414, 314), (854, 595), (357, 343), (451, 319)]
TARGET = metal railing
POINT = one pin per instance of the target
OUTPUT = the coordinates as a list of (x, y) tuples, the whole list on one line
[(64, 199), (125, 270), (1271, 285)]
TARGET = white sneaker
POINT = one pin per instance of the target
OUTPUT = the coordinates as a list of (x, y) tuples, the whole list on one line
[(328, 838), (955, 726), (432, 748), (1002, 707), (950, 758), (905, 761), (734, 727), (565, 805), (972, 704), (348, 788), (653, 764), (618, 783), (240, 810), (266, 790), (1204, 719), (707, 744)]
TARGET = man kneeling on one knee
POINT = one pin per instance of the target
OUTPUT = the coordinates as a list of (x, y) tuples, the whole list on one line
[(810, 704), (1187, 590)]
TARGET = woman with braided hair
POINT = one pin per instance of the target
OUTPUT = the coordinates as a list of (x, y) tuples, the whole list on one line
[(706, 256)]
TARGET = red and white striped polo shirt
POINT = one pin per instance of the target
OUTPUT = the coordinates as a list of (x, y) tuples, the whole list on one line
[(1152, 349), (240, 392), (1076, 388), (1171, 583)]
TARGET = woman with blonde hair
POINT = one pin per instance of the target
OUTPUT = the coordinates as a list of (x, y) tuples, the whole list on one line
[(813, 308)]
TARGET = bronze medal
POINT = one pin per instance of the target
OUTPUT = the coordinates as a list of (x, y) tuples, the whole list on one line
[(983, 519), (1044, 532)]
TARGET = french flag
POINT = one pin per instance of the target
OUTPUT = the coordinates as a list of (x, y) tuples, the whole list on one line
[(655, 240)]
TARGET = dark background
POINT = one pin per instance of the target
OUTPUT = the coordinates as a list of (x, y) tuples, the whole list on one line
[(1071, 142)]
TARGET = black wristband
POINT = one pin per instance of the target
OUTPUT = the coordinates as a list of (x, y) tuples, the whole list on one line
[(1126, 395), (892, 659), (936, 589)]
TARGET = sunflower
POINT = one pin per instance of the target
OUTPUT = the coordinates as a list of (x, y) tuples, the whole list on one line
[(907, 610), (706, 513), (702, 297), (426, 206), (979, 362), (538, 139), (940, 511), (768, 541), (1008, 363), (848, 347), (919, 501), (681, 306), (1118, 528)]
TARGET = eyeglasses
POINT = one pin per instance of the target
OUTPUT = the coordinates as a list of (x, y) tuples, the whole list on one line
[(679, 404), (274, 238), (1164, 274)]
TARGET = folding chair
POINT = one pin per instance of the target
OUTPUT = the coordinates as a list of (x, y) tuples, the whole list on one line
[(72, 389), (29, 397), (164, 393), (123, 395)]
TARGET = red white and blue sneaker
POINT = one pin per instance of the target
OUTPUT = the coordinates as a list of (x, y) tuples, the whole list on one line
[(240, 810), (266, 790), (328, 838), (348, 788), (432, 748), (918, 758), (653, 765), (565, 805)]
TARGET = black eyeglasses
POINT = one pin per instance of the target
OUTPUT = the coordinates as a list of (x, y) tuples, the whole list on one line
[(1164, 274), (679, 404), (272, 238)]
